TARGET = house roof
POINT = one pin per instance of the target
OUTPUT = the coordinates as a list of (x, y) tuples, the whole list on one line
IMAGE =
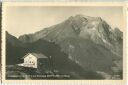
[(38, 55)]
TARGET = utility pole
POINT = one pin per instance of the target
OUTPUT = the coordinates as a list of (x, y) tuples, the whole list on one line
[(51, 63)]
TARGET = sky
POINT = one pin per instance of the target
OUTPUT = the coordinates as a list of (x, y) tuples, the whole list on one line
[(29, 19)]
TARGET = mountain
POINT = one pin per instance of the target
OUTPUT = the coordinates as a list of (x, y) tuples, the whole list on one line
[(61, 62), (79, 26), (88, 42), (15, 49), (13, 40)]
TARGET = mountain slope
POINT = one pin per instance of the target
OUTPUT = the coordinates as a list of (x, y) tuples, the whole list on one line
[(87, 41), (60, 60), (15, 49)]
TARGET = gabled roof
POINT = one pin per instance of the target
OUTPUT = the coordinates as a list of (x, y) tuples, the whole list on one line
[(37, 55)]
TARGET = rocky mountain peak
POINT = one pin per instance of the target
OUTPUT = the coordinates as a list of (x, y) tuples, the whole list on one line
[(83, 18), (94, 28)]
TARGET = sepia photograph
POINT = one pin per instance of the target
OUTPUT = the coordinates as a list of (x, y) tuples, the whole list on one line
[(63, 42)]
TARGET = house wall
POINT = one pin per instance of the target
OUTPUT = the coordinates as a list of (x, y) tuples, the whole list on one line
[(43, 64), (30, 61)]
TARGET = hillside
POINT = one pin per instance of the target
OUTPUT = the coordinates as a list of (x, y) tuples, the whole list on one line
[(15, 49), (88, 42)]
